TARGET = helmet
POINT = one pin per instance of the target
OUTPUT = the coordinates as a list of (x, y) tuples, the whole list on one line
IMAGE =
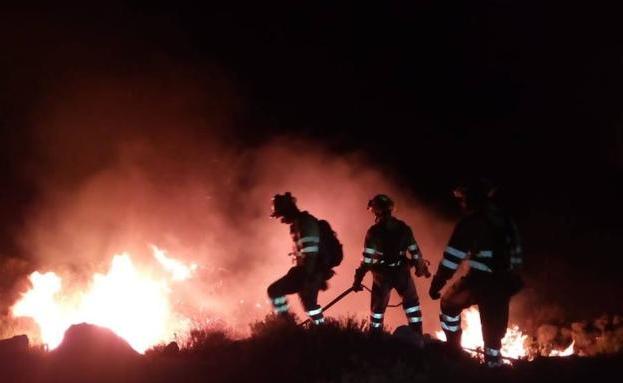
[(283, 205), (381, 204), (475, 191)]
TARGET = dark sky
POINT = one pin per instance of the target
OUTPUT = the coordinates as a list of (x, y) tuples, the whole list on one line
[(527, 92)]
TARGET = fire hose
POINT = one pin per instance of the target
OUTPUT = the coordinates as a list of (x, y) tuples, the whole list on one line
[(342, 296), (425, 273)]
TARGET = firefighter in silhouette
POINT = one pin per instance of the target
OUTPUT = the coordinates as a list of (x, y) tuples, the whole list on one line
[(314, 251), (488, 239), (385, 251)]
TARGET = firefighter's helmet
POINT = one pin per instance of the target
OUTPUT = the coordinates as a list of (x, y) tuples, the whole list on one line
[(381, 204), (475, 190), (283, 205)]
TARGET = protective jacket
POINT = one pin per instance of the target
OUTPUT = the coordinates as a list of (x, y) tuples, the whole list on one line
[(307, 278), (489, 241), (386, 245)]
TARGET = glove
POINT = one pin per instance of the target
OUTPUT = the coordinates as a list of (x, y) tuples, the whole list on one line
[(421, 267), (359, 274), (435, 287)]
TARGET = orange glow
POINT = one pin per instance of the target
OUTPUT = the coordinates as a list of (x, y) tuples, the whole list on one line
[(132, 303)]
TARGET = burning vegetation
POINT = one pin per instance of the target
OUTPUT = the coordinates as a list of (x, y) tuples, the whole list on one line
[(139, 303), (216, 253), (136, 304)]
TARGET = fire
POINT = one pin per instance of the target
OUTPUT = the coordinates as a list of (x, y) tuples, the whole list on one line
[(133, 304), (566, 352), (178, 270), (514, 343)]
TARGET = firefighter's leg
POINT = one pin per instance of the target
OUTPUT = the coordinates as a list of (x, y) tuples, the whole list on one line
[(379, 300), (494, 319), (277, 291), (455, 300), (309, 298), (410, 302)]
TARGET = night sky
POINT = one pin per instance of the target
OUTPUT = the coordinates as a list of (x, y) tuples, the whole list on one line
[(524, 92)]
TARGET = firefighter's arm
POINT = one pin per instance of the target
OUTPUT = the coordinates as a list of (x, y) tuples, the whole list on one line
[(308, 246), (417, 260), (360, 273), (369, 251), (455, 252)]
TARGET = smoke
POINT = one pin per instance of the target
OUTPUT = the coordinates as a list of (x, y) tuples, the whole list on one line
[(123, 163)]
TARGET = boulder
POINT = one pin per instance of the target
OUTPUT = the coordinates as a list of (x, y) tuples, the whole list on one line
[(18, 343)]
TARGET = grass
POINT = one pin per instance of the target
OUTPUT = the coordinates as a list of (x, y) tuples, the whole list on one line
[(280, 351)]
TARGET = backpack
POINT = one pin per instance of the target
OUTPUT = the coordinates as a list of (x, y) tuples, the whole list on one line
[(331, 253)]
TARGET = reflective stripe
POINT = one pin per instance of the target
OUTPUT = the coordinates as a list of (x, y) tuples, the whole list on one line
[(412, 247), (492, 351), (415, 319), (281, 309), (448, 318), (479, 266), (449, 328), (412, 309), (516, 260), (456, 252), (367, 260), (309, 249), (368, 250), (279, 300), (376, 325), (314, 312), (485, 254), (449, 264), (319, 321), (393, 264), (308, 239), (377, 316)]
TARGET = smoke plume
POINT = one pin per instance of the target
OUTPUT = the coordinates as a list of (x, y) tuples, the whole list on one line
[(121, 164)]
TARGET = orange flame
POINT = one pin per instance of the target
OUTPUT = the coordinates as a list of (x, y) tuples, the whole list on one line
[(513, 344), (133, 304), (179, 271), (566, 352)]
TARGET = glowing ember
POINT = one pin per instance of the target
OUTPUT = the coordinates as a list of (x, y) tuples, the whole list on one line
[(133, 304)]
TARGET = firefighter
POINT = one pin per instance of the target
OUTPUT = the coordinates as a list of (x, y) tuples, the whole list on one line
[(488, 239), (309, 275), (385, 254)]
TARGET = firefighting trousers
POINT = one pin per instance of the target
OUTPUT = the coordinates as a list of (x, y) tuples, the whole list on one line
[(399, 278), (296, 281), (492, 305)]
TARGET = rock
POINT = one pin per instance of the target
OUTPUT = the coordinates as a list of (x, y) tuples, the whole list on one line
[(18, 343), (86, 340), (406, 334)]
